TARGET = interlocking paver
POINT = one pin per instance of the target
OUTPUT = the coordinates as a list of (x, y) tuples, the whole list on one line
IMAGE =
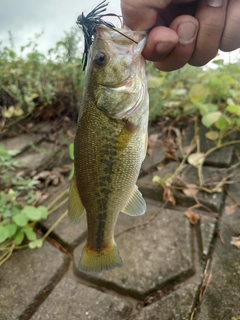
[(153, 254), (189, 176), (176, 306), (220, 158), (26, 279), (222, 297), (68, 234), (74, 301)]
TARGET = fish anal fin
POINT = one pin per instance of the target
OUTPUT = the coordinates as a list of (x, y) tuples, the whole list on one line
[(136, 205), (75, 206), (97, 261)]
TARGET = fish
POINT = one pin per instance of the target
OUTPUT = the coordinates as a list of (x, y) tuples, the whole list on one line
[(110, 142)]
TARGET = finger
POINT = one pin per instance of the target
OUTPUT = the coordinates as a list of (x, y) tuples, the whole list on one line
[(211, 15), (186, 27), (160, 42), (141, 15), (231, 37)]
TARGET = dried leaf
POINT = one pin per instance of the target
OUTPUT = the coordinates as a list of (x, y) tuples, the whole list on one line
[(150, 151), (41, 197), (53, 177), (152, 141), (190, 190), (160, 166), (42, 175), (212, 135), (153, 138), (230, 209), (190, 148), (192, 217), (168, 195), (236, 242), (196, 159)]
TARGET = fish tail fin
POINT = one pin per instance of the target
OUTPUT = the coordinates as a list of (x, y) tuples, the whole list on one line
[(98, 261)]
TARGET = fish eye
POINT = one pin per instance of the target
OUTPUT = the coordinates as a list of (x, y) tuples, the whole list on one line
[(100, 59)]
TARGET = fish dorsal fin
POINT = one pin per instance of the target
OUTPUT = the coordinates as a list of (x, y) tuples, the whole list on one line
[(75, 206), (136, 205)]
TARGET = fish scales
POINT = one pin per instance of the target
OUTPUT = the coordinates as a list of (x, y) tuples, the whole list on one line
[(110, 145)]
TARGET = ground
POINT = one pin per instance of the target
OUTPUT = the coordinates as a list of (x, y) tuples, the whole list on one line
[(172, 269)]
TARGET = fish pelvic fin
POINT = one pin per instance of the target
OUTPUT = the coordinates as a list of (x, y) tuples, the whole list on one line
[(75, 206), (136, 205), (98, 261)]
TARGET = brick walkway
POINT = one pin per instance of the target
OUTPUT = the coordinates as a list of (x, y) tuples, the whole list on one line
[(169, 265)]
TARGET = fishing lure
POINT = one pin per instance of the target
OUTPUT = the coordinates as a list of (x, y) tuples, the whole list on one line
[(89, 22)]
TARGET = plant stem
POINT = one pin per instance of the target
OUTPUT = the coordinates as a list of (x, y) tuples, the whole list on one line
[(57, 198), (54, 225), (209, 152), (58, 206), (5, 256)]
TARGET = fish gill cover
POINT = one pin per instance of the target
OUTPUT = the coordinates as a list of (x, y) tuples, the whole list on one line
[(88, 25)]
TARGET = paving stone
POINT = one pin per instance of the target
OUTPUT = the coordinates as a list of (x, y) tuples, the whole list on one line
[(207, 225), (26, 278), (221, 300), (176, 306), (212, 175), (236, 152), (221, 157), (234, 189), (44, 126), (125, 221), (73, 301), (21, 141), (150, 162), (68, 234), (35, 157), (154, 254)]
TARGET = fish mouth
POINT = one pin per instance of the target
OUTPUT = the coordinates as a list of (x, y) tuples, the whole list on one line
[(126, 83)]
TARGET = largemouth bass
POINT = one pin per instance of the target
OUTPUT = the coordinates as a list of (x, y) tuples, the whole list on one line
[(110, 143)]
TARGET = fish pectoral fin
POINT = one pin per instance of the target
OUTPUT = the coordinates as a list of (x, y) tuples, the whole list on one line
[(136, 205), (75, 206)]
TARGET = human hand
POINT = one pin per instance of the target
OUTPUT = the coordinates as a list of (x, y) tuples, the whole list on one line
[(184, 31)]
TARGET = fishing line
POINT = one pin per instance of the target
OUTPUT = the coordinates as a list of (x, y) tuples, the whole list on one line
[(88, 25)]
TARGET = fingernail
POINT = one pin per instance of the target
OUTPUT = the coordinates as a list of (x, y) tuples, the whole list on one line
[(215, 3), (186, 32), (164, 47)]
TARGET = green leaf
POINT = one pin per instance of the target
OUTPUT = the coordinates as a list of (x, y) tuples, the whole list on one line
[(197, 92), (44, 211), (218, 62), (238, 122), (4, 234), (12, 229), (212, 135), (210, 118), (71, 174), (19, 236), (233, 109), (205, 108), (32, 213), (20, 219), (30, 234), (71, 151), (156, 179), (221, 123), (35, 244)]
